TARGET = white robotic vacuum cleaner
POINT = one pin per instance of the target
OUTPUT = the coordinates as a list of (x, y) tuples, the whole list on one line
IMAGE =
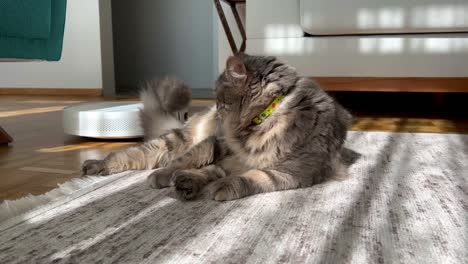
[(104, 120)]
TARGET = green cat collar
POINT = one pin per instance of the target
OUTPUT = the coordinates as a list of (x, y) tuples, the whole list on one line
[(267, 112)]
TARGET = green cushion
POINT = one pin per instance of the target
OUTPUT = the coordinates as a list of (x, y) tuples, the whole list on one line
[(25, 18), (27, 47)]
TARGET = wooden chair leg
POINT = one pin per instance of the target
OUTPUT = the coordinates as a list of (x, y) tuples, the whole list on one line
[(227, 29), (4, 137), (240, 26)]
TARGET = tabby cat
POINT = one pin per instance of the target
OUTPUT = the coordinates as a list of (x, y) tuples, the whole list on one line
[(270, 130)]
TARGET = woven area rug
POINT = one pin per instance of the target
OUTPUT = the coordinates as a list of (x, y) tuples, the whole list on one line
[(406, 202)]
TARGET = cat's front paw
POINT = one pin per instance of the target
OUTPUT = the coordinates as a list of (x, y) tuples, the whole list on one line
[(160, 178), (94, 167), (186, 185), (226, 189)]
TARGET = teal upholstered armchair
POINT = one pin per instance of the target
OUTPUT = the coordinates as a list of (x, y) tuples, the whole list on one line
[(32, 29)]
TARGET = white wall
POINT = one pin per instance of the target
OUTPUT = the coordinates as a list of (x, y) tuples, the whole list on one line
[(80, 65)]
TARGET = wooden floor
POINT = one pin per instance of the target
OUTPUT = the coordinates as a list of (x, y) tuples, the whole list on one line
[(42, 156)]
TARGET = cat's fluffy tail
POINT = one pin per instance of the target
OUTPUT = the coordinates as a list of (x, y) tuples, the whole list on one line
[(165, 104)]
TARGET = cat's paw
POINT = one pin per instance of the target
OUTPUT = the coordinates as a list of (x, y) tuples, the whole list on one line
[(186, 185), (226, 189), (160, 178), (94, 167)]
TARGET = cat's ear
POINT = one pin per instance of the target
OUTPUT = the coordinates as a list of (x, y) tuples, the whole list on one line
[(235, 69)]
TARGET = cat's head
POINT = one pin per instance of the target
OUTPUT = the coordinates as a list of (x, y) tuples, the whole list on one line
[(250, 83)]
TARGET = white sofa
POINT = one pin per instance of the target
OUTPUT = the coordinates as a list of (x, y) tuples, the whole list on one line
[(421, 44)]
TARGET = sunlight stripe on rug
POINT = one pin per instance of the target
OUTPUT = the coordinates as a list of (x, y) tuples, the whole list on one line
[(49, 170)]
